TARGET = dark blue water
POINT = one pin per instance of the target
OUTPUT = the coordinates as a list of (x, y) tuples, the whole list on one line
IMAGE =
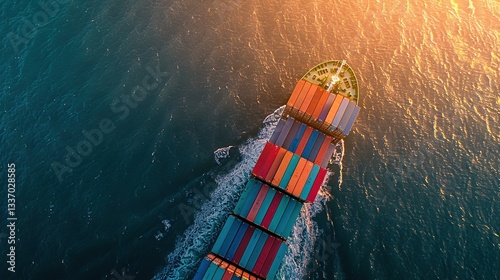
[(133, 126)]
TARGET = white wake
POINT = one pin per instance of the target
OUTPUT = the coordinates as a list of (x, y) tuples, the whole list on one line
[(197, 239)]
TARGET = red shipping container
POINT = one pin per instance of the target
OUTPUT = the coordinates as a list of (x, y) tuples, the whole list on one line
[(267, 164), (308, 98), (262, 158), (257, 203), (276, 164), (303, 141), (314, 101), (270, 258), (272, 209), (321, 104), (263, 254), (322, 150), (243, 244), (228, 275), (317, 184)]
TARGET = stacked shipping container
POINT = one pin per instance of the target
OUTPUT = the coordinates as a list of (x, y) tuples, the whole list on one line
[(268, 208), (333, 114), (213, 267), (289, 171)]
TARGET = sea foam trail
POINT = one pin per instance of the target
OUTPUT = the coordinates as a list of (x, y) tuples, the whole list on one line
[(303, 241), (197, 239)]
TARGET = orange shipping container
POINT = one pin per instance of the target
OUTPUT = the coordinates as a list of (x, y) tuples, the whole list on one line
[(238, 272), (333, 110), (282, 168), (314, 101), (321, 104), (276, 164), (308, 98), (302, 95), (302, 179), (326, 108), (295, 93), (296, 174)]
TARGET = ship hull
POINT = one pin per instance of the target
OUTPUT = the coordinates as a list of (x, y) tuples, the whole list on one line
[(289, 172)]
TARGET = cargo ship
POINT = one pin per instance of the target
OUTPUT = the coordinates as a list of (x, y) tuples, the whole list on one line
[(288, 173)]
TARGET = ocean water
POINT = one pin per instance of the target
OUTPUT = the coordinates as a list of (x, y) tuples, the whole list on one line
[(170, 102)]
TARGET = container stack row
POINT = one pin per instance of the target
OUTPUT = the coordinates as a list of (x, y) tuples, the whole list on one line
[(215, 268), (333, 114), (304, 141), (268, 208), (289, 172), (249, 247)]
